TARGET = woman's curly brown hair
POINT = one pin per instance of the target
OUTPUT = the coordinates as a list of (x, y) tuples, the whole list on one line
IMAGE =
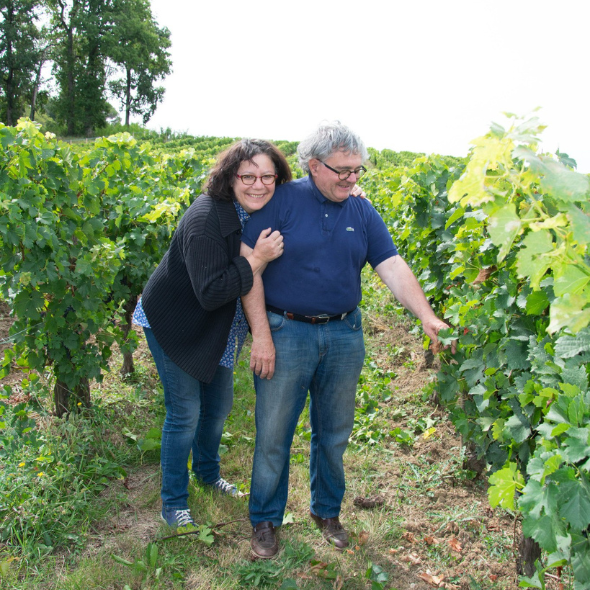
[(221, 178)]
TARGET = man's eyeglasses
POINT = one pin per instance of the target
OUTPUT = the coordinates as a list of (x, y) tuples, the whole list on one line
[(344, 174), (250, 179)]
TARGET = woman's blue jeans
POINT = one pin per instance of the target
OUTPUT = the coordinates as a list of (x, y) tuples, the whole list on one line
[(195, 416), (325, 360)]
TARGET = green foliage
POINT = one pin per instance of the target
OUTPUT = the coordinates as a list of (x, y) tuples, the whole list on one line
[(80, 236), (151, 441), (90, 35), (414, 204), (20, 56), (502, 253), (49, 477), (374, 386), (79, 30), (147, 567), (140, 48), (58, 265), (536, 205), (263, 573), (377, 576)]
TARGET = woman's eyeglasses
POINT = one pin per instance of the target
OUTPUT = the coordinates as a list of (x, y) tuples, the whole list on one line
[(250, 179)]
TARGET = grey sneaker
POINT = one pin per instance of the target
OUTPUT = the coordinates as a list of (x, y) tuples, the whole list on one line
[(224, 487), (177, 518)]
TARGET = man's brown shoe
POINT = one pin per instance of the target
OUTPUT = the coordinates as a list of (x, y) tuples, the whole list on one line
[(332, 530), (264, 543)]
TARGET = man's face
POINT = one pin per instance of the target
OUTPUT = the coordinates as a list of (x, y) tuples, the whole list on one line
[(328, 182)]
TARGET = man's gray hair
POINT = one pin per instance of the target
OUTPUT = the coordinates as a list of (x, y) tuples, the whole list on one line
[(330, 137)]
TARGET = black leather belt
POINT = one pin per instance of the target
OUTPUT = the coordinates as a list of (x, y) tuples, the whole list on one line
[(308, 319)]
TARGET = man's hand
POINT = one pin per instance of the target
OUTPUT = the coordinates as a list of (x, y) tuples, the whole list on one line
[(431, 327), (397, 275), (262, 357)]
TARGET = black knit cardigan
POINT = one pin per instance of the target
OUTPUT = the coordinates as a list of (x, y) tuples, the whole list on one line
[(190, 299)]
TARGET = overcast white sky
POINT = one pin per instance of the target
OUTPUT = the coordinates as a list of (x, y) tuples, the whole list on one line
[(419, 75)]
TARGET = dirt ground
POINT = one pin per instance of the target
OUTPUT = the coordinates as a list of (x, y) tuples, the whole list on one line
[(443, 517), (447, 511)]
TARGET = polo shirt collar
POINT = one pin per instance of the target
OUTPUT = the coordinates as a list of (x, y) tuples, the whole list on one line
[(319, 196)]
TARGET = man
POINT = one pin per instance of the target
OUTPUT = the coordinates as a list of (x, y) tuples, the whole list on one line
[(311, 322)]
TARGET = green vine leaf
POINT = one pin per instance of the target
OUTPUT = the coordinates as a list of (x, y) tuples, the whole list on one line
[(504, 484)]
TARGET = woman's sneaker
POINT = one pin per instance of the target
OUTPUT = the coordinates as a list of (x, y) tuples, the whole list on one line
[(224, 487), (177, 518)]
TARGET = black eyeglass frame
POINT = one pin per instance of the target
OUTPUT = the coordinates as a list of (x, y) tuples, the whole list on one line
[(358, 172), (274, 179)]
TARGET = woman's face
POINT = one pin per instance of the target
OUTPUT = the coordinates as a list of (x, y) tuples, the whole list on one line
[(255, 196)]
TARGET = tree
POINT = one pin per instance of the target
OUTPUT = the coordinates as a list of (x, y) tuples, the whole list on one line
[(140, 51), (80, 62), (44, 50), (20, 55)]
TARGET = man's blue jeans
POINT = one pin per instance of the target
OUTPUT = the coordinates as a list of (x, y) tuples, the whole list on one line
[(325, 360), (195, 416)]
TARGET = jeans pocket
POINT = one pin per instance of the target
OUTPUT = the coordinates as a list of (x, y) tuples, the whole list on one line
[(354, 320), (275, 321)]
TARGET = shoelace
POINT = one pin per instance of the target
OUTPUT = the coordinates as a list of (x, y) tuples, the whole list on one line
[(224, 486), (183, 517), (264, 534)]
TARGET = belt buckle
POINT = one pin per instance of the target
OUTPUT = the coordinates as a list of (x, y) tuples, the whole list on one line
[(320, 319)]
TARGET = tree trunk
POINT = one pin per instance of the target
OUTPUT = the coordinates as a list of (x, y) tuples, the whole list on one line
[(36, 86), (471, 460), (128, 99), (71, 115), (61, 396), (428, 358), (10, 101), (128, 367), (80, 397), (9, 90), (34, 101), (528, 552)]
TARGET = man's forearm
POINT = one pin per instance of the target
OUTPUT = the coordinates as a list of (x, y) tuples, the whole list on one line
[(400, 280), (262, 357), (255, 309)]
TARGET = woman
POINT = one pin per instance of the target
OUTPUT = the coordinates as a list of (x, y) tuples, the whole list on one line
[(192, 316)]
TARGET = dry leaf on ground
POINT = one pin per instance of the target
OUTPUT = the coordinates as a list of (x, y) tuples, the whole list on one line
[(369, 502), (455, 545), (411, 558), (435, 581)]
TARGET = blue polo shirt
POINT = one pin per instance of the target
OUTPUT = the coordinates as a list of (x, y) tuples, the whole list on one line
[(326, 246)]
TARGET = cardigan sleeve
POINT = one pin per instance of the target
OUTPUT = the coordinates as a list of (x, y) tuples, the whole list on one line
[(215, 280)]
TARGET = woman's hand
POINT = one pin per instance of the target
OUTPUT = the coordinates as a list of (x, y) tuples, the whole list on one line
[(357, 191), (269, 245)]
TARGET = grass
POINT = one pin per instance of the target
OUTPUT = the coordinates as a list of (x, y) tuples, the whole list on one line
[(91, 520)]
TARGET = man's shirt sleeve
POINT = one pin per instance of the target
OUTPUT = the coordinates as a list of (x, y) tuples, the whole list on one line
[(259, 220), (381, 246)]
